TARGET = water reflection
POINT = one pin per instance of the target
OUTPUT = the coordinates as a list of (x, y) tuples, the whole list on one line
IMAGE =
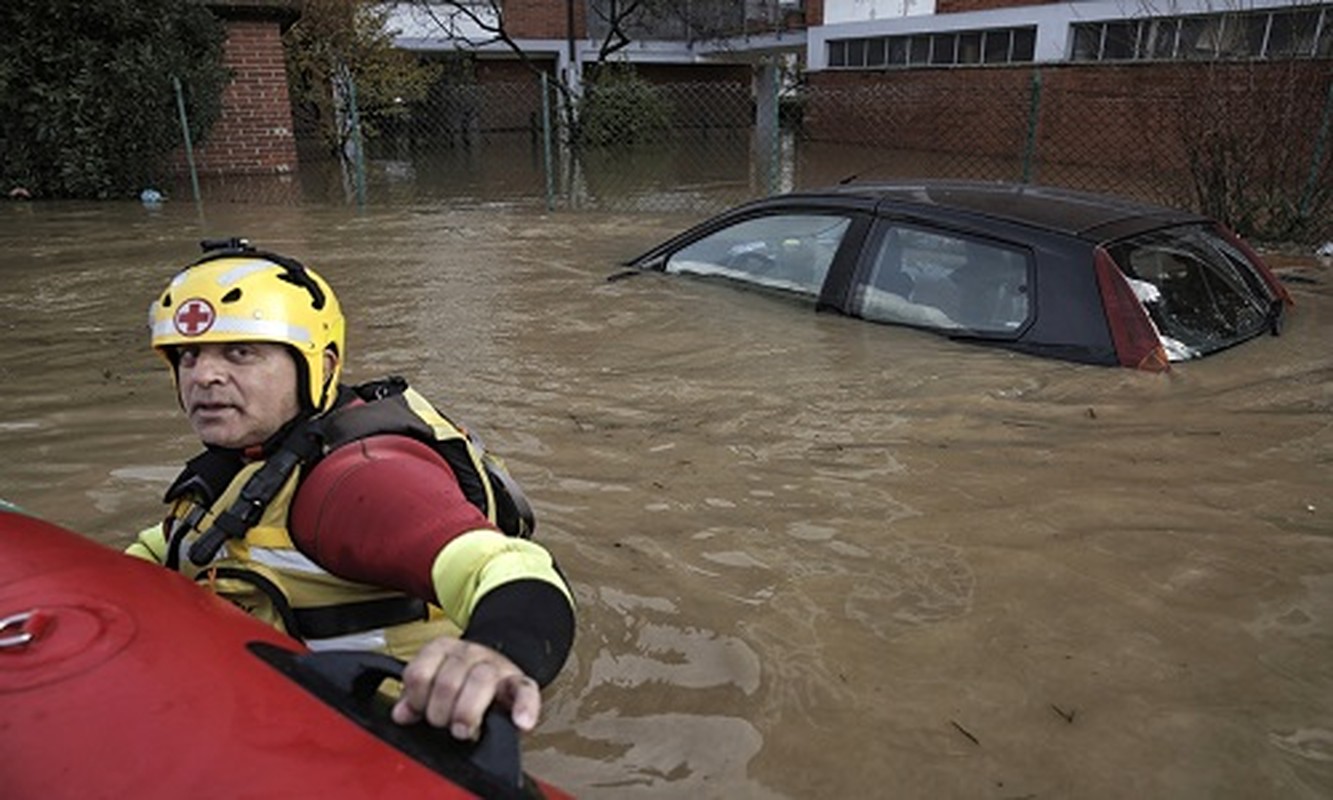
[(813, 557)]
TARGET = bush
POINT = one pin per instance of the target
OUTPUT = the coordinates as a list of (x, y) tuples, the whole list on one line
[(87, 105), (1254, 137), (619, 107)]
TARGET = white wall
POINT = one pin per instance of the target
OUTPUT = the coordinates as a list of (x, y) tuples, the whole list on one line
[(1053, 21), (836, 11), (441, 22)]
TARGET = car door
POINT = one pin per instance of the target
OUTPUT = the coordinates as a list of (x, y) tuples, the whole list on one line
[(790, 250), (913, 273)]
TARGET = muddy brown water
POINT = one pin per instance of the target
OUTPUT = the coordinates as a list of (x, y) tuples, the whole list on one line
[(813, 557)]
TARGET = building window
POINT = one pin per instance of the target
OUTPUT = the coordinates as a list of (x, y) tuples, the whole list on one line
[(991, 46), (1300, 32)]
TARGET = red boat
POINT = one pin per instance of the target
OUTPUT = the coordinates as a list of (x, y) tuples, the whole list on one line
[(121, 679)]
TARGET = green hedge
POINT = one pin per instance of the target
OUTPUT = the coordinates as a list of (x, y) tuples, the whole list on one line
[(87, 106)]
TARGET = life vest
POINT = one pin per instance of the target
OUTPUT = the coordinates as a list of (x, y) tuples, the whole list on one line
[(228, 524)]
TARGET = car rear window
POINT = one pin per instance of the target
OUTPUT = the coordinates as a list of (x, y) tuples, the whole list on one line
[(1201, 292), (935, 279), (791, 252)]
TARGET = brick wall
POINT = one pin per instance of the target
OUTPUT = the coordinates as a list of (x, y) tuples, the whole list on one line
[(814, 13), (1118, 116), (254, 134), (956, 6), (543, 19)]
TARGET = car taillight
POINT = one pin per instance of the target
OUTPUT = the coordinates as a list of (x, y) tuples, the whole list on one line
[(1270, 280), (1136, 341)]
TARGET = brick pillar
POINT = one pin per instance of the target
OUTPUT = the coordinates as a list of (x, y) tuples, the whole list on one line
[(254, 134), (814, 13)]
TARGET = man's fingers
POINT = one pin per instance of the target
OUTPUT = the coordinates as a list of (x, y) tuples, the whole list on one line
[(524, 699), (451, 677), (404, 714), (419, 682), (477, 691), (451, 683)]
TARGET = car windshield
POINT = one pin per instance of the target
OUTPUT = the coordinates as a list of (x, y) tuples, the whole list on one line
[(936, 279), (1201, 292), (791, 252)]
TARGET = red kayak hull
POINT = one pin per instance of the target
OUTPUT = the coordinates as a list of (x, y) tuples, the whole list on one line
[(137, 683)]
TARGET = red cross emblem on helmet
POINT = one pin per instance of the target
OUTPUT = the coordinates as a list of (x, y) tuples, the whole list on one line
[(194, 317)]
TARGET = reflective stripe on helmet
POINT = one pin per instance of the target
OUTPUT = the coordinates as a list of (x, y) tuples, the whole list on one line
[(265, 329), (244, 269)]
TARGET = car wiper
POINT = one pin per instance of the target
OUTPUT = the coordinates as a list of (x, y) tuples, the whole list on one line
[(620, 275)]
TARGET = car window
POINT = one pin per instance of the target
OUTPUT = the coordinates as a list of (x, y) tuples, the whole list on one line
[(791, 252), (940, 280), (1200, 291)]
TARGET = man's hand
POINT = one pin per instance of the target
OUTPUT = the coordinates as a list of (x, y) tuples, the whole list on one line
[(452, 682)]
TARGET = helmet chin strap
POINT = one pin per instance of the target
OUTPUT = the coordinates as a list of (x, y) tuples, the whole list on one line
[(330, 388)]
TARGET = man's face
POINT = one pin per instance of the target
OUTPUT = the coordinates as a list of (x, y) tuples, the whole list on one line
[(237, 394)]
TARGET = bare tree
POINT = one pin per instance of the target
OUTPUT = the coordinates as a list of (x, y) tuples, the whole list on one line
[(615, 24), (487, 17), (477, 24)]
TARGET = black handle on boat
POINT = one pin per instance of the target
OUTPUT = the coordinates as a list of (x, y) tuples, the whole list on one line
[(348, 680), (360, 675)]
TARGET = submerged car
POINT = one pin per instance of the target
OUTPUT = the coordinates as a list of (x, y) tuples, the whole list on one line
[(1051, 272)]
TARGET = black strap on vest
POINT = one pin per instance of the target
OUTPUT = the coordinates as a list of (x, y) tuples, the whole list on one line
[(326, 622), (280, 604), (303, 443), (385, 412), (206, 475)]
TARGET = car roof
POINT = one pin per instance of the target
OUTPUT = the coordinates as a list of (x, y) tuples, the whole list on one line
[(1087, 216)]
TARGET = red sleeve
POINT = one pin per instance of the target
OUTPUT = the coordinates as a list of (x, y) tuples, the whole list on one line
[(379, 510)]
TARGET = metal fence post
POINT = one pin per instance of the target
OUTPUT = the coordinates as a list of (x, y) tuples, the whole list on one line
[(775, 145), (358, 144), (766, 125), (1320, 142), (547, 166), (189, 146), (1034, 114)]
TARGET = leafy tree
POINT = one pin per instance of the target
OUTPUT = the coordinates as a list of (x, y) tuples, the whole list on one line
[(87, 104), (341, 47)]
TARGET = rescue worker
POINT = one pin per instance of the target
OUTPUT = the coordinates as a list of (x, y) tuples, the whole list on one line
[(351, 517)]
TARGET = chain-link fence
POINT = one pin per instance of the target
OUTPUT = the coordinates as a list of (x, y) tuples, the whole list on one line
[(1245, 142), (1253, 148), (665, 147)]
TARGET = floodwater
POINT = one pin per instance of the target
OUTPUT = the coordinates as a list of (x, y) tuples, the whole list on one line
[(813, 557)]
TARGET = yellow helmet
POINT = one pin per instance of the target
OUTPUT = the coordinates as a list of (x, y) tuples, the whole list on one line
[(238, 294)]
